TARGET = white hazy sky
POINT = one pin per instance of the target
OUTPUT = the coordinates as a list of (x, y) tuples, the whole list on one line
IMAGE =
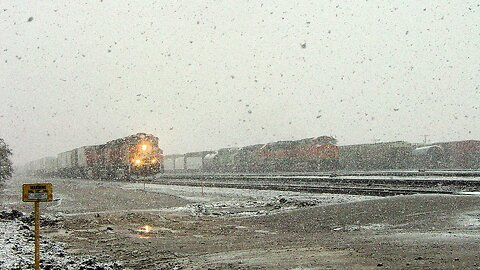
[(210, 74)]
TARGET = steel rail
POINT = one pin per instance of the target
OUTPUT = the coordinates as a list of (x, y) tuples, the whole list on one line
[(364, 180), (372, 191), (404, 173)]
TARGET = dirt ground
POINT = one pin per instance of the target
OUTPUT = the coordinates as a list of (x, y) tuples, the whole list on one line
[(108, 220)]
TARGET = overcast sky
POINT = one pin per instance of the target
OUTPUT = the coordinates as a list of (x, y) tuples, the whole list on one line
[(209, 74)]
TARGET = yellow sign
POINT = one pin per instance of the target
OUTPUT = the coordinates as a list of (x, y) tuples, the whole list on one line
[(41, 192)]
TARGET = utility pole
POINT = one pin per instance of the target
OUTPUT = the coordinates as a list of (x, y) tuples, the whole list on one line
[(425, 138)]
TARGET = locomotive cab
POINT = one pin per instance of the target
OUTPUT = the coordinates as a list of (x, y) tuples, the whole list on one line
[(145, 157)]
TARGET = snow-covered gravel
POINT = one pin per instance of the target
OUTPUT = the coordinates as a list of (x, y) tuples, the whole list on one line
[(212, 201), (17, 246)]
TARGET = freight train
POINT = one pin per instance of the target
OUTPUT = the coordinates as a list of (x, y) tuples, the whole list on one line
[(135, 155), (323, 154), (140, 155), (311, 154)]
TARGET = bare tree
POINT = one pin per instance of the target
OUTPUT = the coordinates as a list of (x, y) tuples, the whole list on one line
[(6, 168)]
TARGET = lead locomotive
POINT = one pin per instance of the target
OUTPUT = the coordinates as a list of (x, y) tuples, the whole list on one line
[(137, 154)]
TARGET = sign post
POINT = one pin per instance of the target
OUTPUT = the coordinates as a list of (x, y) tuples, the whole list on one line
[(37, 193), (37, 235)]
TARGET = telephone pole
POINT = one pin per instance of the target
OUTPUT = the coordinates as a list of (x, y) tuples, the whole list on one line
[(425, 138)]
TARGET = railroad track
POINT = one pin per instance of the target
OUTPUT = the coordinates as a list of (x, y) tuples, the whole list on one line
[(372, 191), (409, 181), (404, 173), (311, 188)]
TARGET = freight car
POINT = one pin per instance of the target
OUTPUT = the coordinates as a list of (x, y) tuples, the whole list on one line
[(189, 162), (222, 161), (174, 163), (44, 166), (195, 161), (456, 155), (235, 159), (377, 156), (137, 154), (428, 157)]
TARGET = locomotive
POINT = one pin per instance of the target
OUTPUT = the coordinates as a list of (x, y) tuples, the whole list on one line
[(135, 155), (311, 154)]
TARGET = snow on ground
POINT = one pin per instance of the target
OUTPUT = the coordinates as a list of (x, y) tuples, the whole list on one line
[(474, 193), (213, 201), (17, 246)]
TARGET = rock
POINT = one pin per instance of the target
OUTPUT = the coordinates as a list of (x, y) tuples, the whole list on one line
[(12, 215), (89, 262)]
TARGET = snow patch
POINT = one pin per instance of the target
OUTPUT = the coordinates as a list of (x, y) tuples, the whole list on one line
[(17, 246), (222, 202)]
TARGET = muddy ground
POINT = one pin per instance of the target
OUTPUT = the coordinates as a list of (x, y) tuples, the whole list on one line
[(240, 229)]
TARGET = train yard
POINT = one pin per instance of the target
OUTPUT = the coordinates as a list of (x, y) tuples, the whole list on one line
[(358, 183), (306, 203), (245, 135), (153, 225)]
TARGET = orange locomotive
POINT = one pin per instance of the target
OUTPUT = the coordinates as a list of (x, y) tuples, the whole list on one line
[(137, 154)]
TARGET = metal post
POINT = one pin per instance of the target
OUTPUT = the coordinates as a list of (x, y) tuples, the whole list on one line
[(37, 235)]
